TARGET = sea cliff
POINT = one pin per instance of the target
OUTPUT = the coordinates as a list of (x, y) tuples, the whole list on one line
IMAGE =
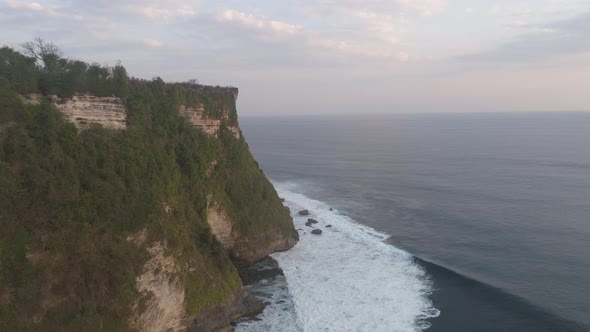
[(125, 203)]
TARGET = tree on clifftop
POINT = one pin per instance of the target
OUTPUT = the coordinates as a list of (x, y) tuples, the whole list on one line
[(42, 51), (120, 81)]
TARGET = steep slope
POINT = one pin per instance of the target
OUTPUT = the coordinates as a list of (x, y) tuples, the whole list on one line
[(130, 227)]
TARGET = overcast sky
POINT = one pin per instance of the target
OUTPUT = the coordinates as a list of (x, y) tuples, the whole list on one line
[(335, 57)]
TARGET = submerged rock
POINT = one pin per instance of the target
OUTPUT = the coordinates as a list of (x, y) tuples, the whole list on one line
[(331, 209), (313, 221), (316, 232), (328, 226), (308, 224), (304, 212)]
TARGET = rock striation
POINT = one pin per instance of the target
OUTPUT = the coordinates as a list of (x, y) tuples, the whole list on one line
[(210, 125), (84, 110)]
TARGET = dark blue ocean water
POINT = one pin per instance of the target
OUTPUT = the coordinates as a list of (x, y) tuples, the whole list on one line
[(495, 207)]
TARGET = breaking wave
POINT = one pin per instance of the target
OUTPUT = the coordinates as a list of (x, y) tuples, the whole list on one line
[(347, 278)]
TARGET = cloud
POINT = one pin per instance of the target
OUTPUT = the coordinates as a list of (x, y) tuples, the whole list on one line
[(152, 43), (406, 7), (381, 26), (424, 7), (568, 36), (39, 9), (165, 9), (14, 4), (257, 22), (372, 38)]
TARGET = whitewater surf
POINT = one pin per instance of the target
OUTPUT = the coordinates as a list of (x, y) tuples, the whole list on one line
[(346, 279)]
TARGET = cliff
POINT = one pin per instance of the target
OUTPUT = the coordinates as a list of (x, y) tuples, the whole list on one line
[(126, 211), (83, 110)]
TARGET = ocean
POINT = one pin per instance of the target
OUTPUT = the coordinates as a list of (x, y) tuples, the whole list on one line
[(438, 222)]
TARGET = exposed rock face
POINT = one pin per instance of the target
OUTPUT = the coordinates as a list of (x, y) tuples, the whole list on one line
[(221, 225), (211, 167), (164, 309), (211, 126), (249, 249), (245, 248), (235, 131), (83, 110), (162, 306)]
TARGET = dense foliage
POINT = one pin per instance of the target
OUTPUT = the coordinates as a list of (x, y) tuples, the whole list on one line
[(60, 76), (69, 200)]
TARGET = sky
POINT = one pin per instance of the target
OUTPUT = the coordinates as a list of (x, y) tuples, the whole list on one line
[(334, 57)]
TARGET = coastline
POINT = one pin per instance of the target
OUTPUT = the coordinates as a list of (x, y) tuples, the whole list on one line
[(342, 278), (266, 281)]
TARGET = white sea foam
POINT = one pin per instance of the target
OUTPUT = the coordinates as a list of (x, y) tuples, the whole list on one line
[(279, 314), (347, 279)]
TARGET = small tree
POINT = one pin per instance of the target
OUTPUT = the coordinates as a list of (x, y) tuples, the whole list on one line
[(120, 81), (42, 51)]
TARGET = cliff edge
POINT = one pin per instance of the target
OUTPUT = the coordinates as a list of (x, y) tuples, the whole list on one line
[(124, 202)]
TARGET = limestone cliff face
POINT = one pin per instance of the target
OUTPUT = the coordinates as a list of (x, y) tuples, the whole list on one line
[(245, 248), (162, 305), (162, 292), (210, 125), (253, 248), (83, 110), (132, 228), (221, 225)]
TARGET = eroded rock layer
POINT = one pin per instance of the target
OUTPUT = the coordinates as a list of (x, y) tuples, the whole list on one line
[(83, 110), (196, 116)]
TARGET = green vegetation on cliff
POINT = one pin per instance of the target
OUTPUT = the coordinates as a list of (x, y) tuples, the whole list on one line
[(69, 199)]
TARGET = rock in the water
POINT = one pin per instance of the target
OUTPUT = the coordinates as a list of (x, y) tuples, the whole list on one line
[(308, 224), (282, 200), (304, 212), (328, 226), (313, 221), (316, 231), (331, 209)]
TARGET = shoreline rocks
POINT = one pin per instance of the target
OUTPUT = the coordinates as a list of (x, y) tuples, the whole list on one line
[(316, 232), (304, 212)]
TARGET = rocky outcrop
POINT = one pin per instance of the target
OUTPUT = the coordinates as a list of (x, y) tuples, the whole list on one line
[(251, 249), (246, 248), (84, 110), (221, 225), (304, 213), (161, 307), (196, 116), (218, 318)]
